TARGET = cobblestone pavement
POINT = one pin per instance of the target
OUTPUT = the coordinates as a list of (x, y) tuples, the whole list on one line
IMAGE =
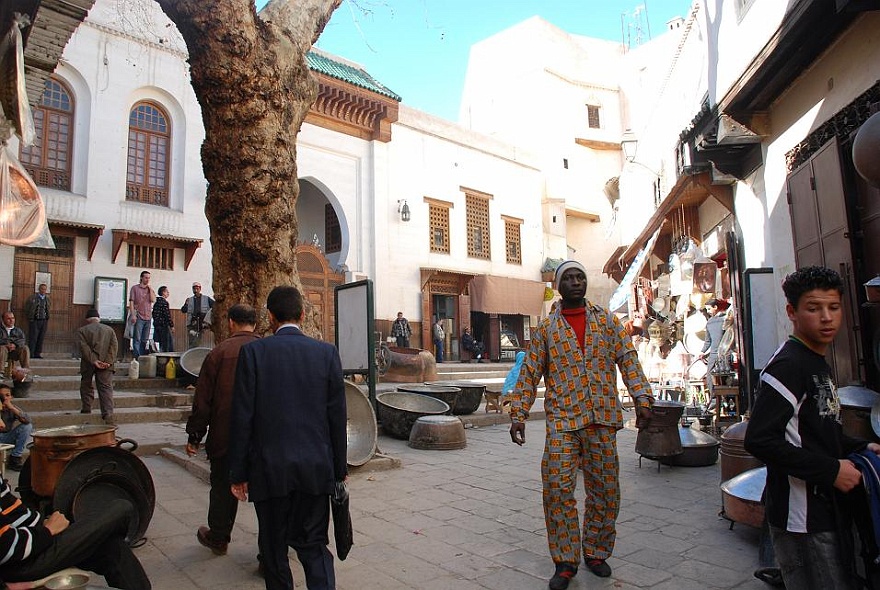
[(468, 519)]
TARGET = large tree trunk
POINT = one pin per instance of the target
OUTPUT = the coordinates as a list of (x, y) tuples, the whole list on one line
[(253, 84)]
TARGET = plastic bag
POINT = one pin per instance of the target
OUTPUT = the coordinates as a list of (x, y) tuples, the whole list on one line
[(22, 213), (15, 104)]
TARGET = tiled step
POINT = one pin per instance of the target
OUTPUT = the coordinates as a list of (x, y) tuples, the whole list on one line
[(120, 381), (59, 401)]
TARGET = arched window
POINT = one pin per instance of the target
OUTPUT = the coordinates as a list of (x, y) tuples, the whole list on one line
[(149, 147), (48, 159)]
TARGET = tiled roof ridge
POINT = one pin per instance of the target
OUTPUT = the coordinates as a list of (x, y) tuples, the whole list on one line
[(327, 64)]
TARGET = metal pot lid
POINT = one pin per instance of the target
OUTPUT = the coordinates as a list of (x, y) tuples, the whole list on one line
[(748, 485), (696, 438), (77, 430), (191, 360), (875, 282), (854, 396), (361, 427)]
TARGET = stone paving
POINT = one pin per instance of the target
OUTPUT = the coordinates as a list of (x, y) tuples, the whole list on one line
[(470, 519)]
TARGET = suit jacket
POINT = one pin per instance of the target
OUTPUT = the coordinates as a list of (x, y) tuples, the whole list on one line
[(288, 429), (97, 341), (212, 404)]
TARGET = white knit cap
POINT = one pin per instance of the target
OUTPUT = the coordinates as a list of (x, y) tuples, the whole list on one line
[(564, 267)]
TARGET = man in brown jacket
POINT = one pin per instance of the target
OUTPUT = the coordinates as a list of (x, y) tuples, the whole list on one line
[(98, 347), (212, 407)]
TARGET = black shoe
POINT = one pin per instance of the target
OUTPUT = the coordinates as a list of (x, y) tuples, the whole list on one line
[(599, 567), (564, 573), (208, 540), (14, 463)]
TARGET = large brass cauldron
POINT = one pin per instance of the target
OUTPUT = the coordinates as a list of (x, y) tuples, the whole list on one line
[(54, 448), (660, 437)]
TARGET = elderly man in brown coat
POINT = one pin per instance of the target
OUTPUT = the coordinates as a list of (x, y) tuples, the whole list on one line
[(98, 347), (212, 407)]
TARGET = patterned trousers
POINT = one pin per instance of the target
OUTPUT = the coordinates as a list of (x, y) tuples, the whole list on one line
[(593, 452)]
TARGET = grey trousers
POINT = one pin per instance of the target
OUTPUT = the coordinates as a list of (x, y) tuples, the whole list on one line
[(811, 561), (104, 380)]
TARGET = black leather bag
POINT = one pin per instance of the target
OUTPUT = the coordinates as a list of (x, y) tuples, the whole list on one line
[(342, 529)]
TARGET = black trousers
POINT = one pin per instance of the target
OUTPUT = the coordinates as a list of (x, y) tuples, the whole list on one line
[(162, 337), (96, 543), (36, 334), (222, 505), (299, 521)]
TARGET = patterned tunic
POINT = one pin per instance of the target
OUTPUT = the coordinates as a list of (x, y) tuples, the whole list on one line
[(581, 388)]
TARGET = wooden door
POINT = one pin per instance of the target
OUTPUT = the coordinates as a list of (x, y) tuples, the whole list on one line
[(821, 234), (318, 283), (56, 268)]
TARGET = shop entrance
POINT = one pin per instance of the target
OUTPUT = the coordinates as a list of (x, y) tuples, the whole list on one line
[(444, 307)]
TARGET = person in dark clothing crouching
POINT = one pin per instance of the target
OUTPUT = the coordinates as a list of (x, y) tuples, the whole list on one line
[(33, 547), (796, 430)]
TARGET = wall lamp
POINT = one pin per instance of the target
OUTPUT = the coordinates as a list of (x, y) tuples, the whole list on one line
[(629, 144), (403, 209)]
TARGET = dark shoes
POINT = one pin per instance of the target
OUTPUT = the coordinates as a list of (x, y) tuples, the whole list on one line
[(207, 539), (599, 567), (564, 573), (14, 463)]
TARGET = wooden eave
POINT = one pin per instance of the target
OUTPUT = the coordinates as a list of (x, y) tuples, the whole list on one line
[(684, 199), (92, 231), (189, 245), (598, 144), (352, 110)]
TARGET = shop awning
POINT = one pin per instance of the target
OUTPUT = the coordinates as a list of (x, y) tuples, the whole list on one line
[(682, 201), (621, 294), (506, 295)]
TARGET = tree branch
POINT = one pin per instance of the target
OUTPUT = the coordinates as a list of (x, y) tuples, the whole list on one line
[(301, 22)]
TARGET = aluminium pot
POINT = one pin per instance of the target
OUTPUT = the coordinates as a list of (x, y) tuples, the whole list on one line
[(855, 411), (699, 449), (54, 448), (470, 398), (660, 438)]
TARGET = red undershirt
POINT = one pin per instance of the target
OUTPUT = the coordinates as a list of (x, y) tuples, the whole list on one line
[(577, 319)]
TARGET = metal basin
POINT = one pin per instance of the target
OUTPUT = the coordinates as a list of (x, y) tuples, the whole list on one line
[(361, 429), (742, 497), (399, 410), (67, 582), (191, 360), (441, 433), (470, 398), (441, 392), (699, 449)]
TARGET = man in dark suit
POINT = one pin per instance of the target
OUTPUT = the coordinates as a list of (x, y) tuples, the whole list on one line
[(288, 449)]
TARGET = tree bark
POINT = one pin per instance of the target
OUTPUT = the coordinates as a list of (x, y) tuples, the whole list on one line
[(250, 76)]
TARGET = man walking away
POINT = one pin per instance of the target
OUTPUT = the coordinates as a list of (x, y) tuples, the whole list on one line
[(211, 413), (289, 447), (97, 347), (36, 310)]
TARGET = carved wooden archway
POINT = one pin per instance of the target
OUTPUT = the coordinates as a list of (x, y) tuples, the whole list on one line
[(318, 281)]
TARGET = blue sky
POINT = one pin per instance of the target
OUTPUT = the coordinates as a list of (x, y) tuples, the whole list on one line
[(419, 48)]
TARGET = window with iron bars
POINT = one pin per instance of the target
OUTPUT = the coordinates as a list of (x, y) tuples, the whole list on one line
[(332, 231), (140, 256)]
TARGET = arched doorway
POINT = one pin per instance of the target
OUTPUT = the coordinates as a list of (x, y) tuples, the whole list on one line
[(318, 281)]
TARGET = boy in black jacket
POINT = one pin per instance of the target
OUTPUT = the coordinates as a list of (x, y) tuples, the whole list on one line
[(795, 429)]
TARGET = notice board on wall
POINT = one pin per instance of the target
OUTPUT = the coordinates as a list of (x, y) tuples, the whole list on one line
[(110, 299)]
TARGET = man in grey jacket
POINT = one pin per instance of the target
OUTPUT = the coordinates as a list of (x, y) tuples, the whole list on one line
[(98, 347)]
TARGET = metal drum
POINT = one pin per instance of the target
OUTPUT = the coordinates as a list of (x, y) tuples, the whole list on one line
[(442, 433), (399, 410), (855, 411), (742, 497), (470, 398), (734, 457), (660, 437), (361, 429)]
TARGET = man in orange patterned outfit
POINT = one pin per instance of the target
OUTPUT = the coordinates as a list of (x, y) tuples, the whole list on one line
[(577, 350)]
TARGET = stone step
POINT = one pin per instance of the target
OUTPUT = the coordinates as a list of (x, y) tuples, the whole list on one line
[(137, 415), (120, 381), (69, 400)]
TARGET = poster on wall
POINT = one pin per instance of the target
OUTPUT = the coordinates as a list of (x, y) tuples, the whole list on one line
[(43, 278), (110, 299)]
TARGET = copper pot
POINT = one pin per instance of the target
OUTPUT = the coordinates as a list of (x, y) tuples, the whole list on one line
[(54, 448), (742, 497), (660, 438), (734, 457)]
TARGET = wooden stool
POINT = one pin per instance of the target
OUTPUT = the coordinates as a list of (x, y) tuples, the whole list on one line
[(493, 401)]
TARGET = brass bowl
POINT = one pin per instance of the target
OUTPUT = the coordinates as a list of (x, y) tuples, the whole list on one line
[(67, 582)]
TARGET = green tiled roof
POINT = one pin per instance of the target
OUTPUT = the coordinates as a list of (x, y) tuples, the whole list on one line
[(347, 73)]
